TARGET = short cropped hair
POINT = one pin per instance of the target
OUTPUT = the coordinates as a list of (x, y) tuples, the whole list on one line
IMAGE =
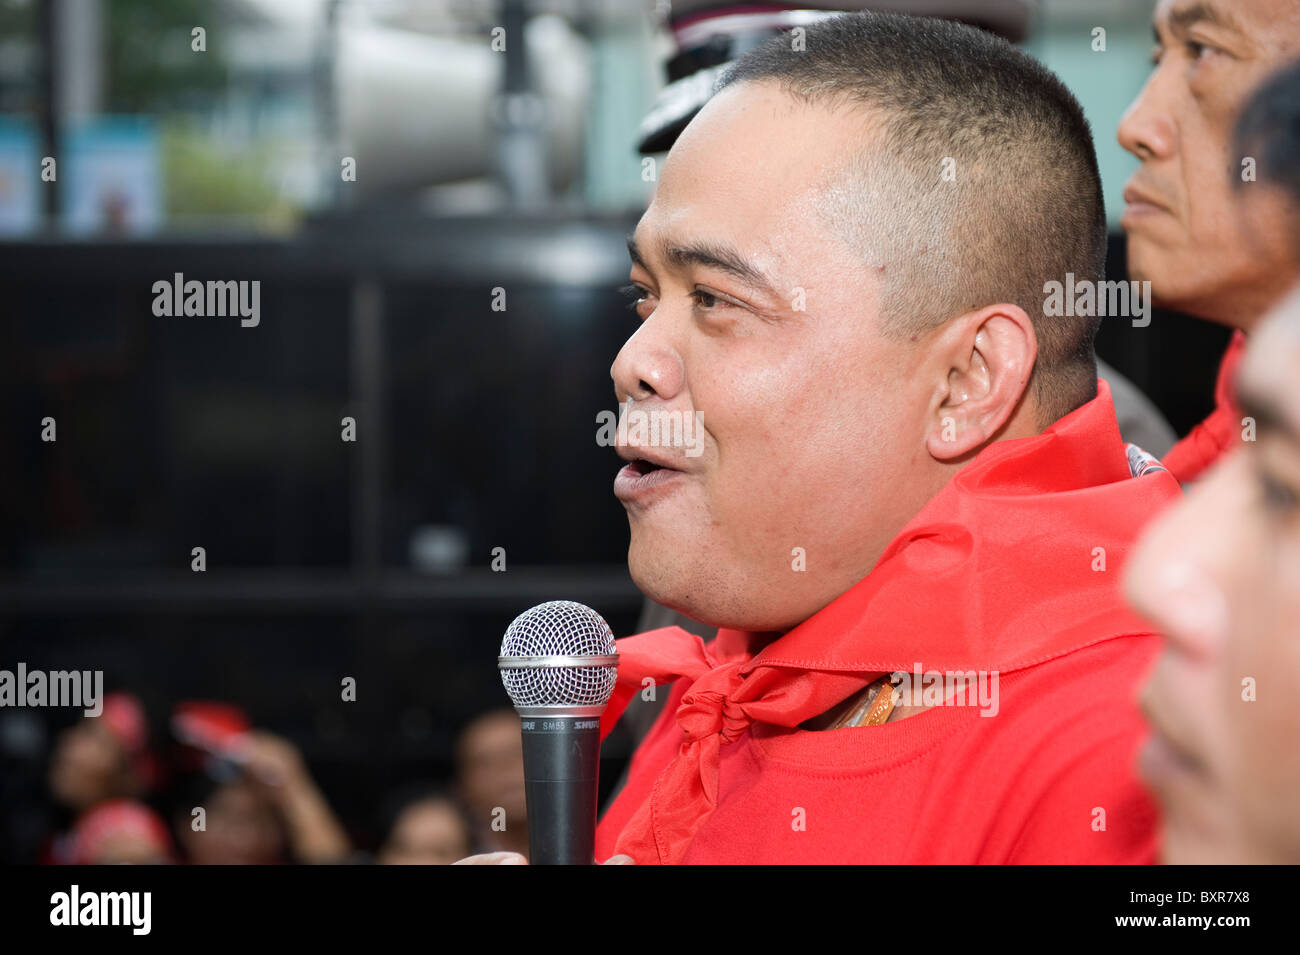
[(983, 187)]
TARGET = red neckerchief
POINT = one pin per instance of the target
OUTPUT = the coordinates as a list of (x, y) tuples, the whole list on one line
[(994, 573), (1193, 455)]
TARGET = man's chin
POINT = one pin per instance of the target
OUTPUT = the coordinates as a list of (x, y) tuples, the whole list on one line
[(1164, 293), (1150, 263), (1186, 846), (663, 572), (1181, 283), (705, 590), (658, 575)]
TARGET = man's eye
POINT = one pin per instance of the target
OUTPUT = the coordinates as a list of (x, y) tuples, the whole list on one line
[(1196, 50), (1277, 497), (707, 300), (634, 292)]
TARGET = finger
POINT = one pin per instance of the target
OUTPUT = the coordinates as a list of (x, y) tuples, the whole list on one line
[(619, 860), (494, 858)]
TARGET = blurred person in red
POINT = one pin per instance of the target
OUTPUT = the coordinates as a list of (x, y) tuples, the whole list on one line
[(121, 832), (99, 758), (1220, 575), (424, 825), (103, 757), (249, 798), (490, 780), (1184, 234)]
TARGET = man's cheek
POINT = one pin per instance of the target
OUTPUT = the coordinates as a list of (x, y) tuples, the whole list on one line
[(1262, 726), (1262, 655), (1182, 677), (1250, 732), (752, 518)]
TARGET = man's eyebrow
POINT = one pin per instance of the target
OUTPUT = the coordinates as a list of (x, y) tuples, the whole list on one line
[(1182, 19), (715, 255), (1267, 415)]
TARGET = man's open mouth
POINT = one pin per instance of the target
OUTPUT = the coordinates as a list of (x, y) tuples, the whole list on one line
[(1163, 751), (640, 466), (640, 476)]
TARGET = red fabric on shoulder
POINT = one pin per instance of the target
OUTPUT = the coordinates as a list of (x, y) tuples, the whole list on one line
[(1208, 441)]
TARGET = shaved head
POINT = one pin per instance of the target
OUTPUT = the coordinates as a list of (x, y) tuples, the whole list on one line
[(979, 186)]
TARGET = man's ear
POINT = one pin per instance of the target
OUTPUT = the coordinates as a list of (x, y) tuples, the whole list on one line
[(982, 362)]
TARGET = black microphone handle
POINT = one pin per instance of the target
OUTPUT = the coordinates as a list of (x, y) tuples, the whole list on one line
[(561, 769)]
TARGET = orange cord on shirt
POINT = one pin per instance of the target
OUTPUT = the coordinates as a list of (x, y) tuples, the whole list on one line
[(874, 709)]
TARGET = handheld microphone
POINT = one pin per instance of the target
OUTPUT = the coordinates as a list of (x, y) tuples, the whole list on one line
[(559, 664)]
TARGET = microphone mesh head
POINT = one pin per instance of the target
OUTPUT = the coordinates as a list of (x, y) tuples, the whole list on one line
[(558, 628)]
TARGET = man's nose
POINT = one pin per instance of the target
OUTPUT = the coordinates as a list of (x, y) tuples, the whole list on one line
[(1179, 575), (648, 365), (1147, 129)]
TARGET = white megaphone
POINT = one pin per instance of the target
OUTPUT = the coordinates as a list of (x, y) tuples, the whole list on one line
[(417, 110)]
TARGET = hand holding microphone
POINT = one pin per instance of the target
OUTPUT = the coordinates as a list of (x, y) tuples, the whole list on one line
[(514, 858), (558, 664)]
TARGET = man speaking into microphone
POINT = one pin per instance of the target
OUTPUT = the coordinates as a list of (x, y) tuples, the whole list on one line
[(911, 501)]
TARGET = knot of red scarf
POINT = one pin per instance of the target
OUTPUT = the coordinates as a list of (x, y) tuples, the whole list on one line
[(709, 708), (727, 694)]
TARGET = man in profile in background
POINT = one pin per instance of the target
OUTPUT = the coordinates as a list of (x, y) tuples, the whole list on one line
[(1185, 234), (912, 486)]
